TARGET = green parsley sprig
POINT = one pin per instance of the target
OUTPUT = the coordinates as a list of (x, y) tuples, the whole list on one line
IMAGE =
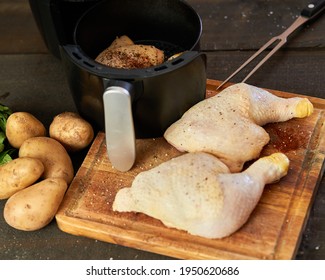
[(6, 151)]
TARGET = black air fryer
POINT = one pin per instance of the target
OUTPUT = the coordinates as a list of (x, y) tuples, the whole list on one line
[(126, 103)]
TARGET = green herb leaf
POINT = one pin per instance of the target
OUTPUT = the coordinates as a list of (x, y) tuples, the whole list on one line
[(5, 112), (5, 156), (6, 151)]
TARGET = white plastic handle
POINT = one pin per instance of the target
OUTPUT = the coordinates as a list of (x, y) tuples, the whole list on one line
[(119, 128)]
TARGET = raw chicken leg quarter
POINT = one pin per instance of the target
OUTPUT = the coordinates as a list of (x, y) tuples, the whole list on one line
[(196, 192), (229, 125), (202, 192)]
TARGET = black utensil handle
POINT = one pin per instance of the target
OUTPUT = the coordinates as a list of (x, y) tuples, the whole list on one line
[(313, 8)]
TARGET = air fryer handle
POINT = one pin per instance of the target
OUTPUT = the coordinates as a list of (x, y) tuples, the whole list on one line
[(119, 128)]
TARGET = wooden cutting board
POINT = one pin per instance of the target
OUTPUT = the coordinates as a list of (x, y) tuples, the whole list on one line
[(272, 232)]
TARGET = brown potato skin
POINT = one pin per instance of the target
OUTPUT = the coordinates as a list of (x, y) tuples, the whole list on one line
[(22, 126), (72, 131), (56, 160), (35, 207), (18, 174)]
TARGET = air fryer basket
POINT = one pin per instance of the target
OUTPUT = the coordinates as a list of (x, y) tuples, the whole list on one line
[(136, 103), (170, 25)]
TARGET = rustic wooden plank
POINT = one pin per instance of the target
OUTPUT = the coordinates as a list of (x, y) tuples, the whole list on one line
[(40, 78), (312, 244), (285, 71), (272, 232), (224, 24), (246, 25), (34, 83), (26, 77), (19, 33)]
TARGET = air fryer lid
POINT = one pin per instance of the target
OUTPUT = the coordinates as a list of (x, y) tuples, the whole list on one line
[(171, 25)]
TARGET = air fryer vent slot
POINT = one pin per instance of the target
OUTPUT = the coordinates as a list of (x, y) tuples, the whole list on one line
[(177, 61), (77, 56), (88, 64), (160, 68)]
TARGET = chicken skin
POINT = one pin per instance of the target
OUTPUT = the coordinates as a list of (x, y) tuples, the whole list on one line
[(123, 53), (229, 125), (196, 192)]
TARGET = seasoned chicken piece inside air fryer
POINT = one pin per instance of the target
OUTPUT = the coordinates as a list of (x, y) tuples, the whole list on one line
[(229, 125), (122, 41), (123, 53)]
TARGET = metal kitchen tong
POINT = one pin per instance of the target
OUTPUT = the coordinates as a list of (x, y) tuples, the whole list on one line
[(310, 11)]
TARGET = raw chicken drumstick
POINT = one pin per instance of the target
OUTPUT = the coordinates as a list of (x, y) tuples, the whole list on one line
[(197, 193), (228, 125)]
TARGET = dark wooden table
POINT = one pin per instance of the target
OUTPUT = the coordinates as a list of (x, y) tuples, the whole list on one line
[(33, 80)]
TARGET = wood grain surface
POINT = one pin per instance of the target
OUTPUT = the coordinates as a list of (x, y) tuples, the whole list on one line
[(33, 80), (272, 232)]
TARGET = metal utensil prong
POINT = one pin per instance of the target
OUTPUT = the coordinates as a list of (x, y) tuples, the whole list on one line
[(312, 9)]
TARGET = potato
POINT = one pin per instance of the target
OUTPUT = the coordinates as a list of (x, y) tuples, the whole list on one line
[(21, 126), (72, 131), (18, 174), (35, 207), (56, 160)]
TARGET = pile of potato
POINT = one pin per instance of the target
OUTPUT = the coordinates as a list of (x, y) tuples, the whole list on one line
[(36, 181)]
